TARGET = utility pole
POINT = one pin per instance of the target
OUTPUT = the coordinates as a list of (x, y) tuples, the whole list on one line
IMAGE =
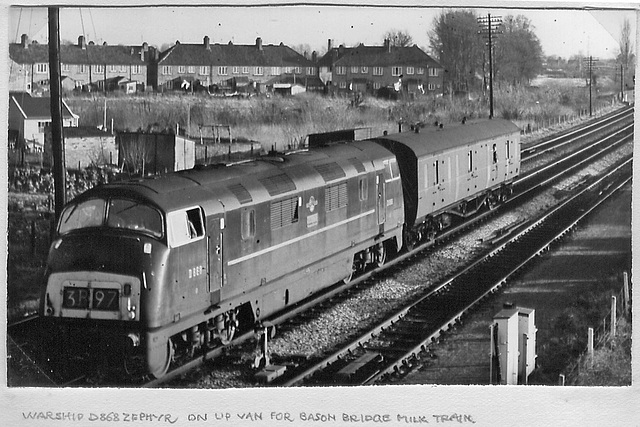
[(489, 27), (57, 139), (590, 63)]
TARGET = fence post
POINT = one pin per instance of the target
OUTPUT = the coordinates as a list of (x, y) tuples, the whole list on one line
[(590, 344), (613, 316), (625, 292), (561, 380), (33, 237)]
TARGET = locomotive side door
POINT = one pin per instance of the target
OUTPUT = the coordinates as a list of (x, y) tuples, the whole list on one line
[(382, 200), (215, 250)]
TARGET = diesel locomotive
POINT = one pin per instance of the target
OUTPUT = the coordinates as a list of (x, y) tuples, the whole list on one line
[(157, 269)]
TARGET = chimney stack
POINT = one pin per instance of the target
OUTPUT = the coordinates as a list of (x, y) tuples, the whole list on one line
[(82, 44), (329, 45), (314, 56), (259, 43), (387, 45), (207, 44), (24, 41)]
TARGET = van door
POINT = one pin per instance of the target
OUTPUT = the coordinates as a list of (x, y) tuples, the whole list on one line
[(215, 250)]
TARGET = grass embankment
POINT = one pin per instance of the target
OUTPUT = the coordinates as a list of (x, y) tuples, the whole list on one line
[(283, 122)]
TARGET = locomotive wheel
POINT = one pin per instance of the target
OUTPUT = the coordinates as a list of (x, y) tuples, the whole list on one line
[(167, 359), (380, 254), (226, 336)]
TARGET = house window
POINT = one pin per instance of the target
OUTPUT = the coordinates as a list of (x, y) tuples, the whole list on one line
[(245, 70), (431, 86), (341, 71), (137, 69), (342, 85), (191, 69), (275, 71), (65, 68), (235, 70), (287, 70), (364, 70), (311, 71), (377, 85), (204, 70), (166, 70), (297, 70), (42, 126), (42, 68), (99, 68), (122, 68), (378, 71), (181, 69), (259, 71), (410, 70), (222, 71), (82, 68), (354, 70), (396, 71), (113, 68), (248, 223), (433, 72), (420, 70)]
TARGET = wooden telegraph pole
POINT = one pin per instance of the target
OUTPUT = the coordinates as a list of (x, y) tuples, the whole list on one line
[(57, 141), (489, 28)]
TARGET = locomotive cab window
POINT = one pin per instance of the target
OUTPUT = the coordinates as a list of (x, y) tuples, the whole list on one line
[(185, 226), (391, 169)]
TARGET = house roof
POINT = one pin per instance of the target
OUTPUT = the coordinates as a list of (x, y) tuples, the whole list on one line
[(73, 54), (232, 54), (378, 56), (37, 107)]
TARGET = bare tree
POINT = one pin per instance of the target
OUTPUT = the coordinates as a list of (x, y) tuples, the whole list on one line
[(626, 57), (398, 38)]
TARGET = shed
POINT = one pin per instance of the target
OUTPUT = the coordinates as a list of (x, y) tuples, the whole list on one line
[(153, 153)]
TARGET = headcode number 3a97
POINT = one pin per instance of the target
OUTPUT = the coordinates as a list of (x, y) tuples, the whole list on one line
[(100, 298)]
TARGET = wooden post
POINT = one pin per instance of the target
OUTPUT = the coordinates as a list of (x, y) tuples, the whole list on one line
[(613, 316), (590, 344), (561, 380), (625, 292)]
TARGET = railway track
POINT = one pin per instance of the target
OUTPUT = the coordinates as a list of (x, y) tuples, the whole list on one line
[(541, 176), (395, 345)]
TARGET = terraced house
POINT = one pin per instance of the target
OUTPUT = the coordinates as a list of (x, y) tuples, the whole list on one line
[(374, 69), (82, 66), (231, 67)]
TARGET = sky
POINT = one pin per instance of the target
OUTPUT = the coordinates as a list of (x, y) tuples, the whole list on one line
[(561, 32)]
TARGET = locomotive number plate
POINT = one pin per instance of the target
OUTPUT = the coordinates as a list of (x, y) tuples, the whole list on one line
[(94, 299)]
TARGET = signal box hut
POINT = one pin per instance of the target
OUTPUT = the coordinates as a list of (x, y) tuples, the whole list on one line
[(154, 153)]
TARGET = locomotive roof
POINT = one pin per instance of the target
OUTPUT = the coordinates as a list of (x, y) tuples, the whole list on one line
[(435, 139), (235, 184)]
